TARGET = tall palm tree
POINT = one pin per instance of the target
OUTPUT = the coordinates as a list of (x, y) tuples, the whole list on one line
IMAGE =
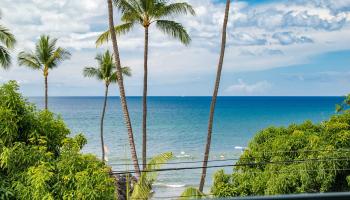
[(146, 13), (215, 94), (105, 72), (7, 42), (120, 82), (45, 57)]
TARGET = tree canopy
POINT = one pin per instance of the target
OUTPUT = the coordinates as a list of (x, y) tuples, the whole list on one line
[(106, 69), (37, 158), (303, 158), (7, 42), (147, 12)]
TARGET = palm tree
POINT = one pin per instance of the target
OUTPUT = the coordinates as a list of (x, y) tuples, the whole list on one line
[(142, 189), (120, 82), (145, 13), (8, 41), (45, 57), (105, 72), (215, 94)]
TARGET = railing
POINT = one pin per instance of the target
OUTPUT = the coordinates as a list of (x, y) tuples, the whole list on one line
[(316, 196)]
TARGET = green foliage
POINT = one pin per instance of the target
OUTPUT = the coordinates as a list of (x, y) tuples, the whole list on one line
[(143, 187), (147, 12), (191, 193), (317, 158), (106, 69), (39, 161), (344, 105), (46, 55), (7, 42)]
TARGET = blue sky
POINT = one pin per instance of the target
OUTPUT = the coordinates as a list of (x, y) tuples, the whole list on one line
[(275, 47)]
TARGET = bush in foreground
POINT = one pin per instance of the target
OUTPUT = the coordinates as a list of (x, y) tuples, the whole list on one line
[(303, 158), (39, 161)]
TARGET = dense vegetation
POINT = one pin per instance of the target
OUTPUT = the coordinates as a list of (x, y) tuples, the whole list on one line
[(39, 161), (301, 158)]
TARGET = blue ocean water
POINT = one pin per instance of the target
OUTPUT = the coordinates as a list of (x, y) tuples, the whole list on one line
[(179, 125)]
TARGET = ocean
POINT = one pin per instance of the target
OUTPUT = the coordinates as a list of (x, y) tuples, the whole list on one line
[(179, 125)]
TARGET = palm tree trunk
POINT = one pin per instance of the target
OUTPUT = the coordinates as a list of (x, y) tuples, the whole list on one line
[(215, 94), (144, 114), (102, 120), (46, 92), (122, 90)]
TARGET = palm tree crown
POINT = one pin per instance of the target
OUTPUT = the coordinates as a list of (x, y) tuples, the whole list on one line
[(147, 12), (46, 55), (7, 42), (106, 69)]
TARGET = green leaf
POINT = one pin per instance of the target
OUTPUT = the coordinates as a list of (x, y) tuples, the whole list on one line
[(119, 30), (174, 29), (191, 193)]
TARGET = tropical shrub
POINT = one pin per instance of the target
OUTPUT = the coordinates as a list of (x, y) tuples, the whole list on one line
[(303, 158), (37, 158), (344, 105)]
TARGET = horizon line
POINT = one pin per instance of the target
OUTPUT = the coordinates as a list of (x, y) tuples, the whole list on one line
[(194, 96)]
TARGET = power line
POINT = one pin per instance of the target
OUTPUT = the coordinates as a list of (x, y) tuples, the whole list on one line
[(235, 165), (298, 170), (237, 159), (183, 162), (307, 150)]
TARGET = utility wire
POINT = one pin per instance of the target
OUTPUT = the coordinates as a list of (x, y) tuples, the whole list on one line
[(297, 170), (235, 165), (184, 162), (236, 159)]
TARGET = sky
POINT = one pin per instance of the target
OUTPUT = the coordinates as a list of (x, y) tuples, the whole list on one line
[(274, 48)]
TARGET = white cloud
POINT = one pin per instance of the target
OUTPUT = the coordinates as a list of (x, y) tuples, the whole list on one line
[(244, 88), (247, 39), (287, 38), (260, 37)]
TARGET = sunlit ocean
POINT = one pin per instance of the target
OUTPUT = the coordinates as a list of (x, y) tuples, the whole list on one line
[(179, 125)]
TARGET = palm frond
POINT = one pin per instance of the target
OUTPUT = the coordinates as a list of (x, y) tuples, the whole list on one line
[(119, 30), (92, 72), (174, 9), (191, 193), (132, 17), (7, 38), (339, 108), (44, 48), (148, 6), (143, 187), (126, 71), (5, 58), (58, 56), (29, 59), (106, 65), (155, 163), (51, 45), (174, 29), (129, 6)]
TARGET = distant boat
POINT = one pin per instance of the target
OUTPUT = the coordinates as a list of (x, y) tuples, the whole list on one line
[(240, 148)]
